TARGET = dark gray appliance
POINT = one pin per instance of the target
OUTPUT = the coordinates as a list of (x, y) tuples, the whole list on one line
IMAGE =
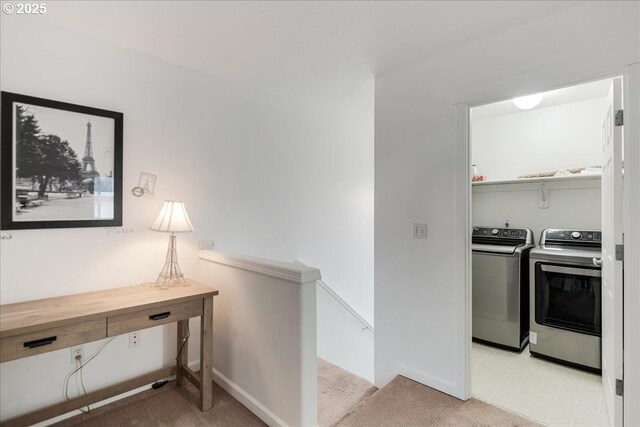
[(566, 297), (500, 284)]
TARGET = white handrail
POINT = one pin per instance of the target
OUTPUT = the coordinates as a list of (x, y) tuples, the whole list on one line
[(343, 303), (346, 306)]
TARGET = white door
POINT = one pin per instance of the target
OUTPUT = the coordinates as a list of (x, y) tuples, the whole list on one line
[(611, 268)]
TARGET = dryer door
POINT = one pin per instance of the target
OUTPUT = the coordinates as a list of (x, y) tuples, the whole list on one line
[(569, 297)]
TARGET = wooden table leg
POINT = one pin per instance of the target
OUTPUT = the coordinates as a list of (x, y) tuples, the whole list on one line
[(206, 355), (183, 359)]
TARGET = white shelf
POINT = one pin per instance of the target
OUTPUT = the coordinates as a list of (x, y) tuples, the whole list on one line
[(546, 179), (541, 185)]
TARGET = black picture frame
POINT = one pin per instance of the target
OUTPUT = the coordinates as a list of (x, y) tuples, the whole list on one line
[(16, 202)]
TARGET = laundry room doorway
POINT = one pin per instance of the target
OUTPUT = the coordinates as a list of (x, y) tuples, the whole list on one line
[(546, 277)]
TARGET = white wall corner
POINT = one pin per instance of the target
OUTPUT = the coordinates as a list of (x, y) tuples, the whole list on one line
[(463, 241), (431, 381)]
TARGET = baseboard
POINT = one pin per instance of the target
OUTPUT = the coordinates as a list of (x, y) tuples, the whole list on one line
[(430, 381), (247, 400), (242, 396)]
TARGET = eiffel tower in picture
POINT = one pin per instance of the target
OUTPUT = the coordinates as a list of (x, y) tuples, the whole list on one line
[(89, 172)]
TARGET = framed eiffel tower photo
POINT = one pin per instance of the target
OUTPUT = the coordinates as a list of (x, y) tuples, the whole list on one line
[(60, 165)]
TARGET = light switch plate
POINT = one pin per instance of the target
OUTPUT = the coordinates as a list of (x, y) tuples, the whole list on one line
[(419, 230)]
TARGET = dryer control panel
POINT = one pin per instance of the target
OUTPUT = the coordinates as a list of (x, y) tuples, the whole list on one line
[(511, 233), (498, 235), (571, 237)]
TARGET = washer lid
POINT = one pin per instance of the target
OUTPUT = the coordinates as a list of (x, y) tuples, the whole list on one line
[(495, 249)]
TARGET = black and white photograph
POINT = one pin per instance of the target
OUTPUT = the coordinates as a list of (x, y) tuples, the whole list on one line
[(61, 164)]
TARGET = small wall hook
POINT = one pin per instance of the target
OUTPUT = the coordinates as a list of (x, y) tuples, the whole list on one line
[(543, 197)]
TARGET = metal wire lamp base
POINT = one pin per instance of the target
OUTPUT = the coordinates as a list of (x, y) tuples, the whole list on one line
[(171, 274)]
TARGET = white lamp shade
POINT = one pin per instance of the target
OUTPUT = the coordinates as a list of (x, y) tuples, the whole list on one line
[(173, 218)]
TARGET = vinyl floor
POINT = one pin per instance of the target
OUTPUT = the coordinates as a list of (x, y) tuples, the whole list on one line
[(550, 393)]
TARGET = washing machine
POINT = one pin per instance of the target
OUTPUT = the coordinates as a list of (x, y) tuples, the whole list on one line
[(500, 286)]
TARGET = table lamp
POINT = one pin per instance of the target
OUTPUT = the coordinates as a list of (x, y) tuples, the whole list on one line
[(172, 219)]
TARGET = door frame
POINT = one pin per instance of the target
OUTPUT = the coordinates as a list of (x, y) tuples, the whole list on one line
[(631, 224)]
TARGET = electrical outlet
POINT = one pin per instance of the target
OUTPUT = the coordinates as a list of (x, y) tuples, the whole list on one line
[(134, 339), (206, 244), (419, 231), (76, 351)]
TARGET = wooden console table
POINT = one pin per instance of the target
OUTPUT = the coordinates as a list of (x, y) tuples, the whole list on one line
[(35, 327)]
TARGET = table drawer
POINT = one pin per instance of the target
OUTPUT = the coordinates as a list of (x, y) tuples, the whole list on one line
[(129, 322), (29, 344)]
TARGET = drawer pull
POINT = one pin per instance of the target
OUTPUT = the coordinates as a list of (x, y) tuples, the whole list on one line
[(160, 315), (40, 342)]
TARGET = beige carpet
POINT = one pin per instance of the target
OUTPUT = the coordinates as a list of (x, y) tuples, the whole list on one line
[(169, 406), (338, 391), (401, 403), (406, 403)]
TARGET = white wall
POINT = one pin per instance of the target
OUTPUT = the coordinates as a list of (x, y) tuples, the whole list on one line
[(264, 350), (259, 174), (539, 140), (339, 330), (572, 205), (420, 296)]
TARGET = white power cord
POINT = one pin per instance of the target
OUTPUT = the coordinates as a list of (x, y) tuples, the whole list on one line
[(78, 368)]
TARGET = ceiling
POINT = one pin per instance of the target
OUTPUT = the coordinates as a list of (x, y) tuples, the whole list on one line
[(292, 47), (594, 90)]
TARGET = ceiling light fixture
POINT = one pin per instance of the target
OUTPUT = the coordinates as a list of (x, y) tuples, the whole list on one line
[(528, 102)]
